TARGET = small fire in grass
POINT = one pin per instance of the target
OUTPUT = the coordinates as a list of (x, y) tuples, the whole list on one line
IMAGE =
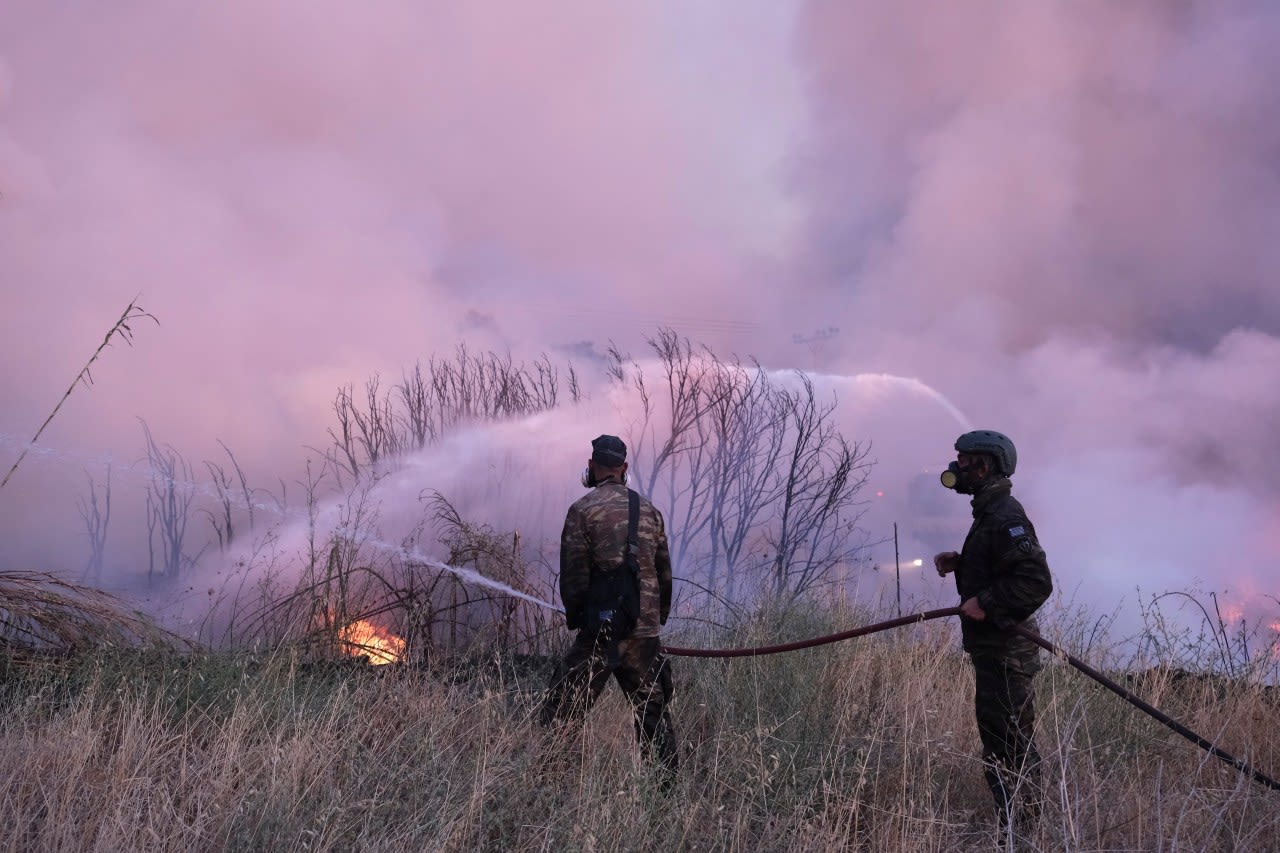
[(362, 638)]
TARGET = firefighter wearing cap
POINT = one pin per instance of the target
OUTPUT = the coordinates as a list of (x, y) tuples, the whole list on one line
[(595, 541), (1002, 577)]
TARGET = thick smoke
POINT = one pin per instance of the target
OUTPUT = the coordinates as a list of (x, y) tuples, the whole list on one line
[(1063, 215), (1052, 219)]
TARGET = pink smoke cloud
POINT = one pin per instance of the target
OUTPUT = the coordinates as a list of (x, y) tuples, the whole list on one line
[(1057, 216)]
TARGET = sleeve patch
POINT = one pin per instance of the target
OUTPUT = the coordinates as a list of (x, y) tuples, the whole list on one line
[(1017, 531)]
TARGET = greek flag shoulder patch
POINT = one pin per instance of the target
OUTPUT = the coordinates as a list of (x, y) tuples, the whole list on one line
[(1017, 530)]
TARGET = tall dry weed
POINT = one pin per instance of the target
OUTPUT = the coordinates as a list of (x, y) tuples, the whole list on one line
[(867, 745)]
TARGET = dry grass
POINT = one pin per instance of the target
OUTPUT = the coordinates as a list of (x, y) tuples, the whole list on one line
[(45, 617), (869, 745)]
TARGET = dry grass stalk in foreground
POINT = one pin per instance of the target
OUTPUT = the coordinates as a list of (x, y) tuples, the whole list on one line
[(120, 329), (43, 615), (866, 746)]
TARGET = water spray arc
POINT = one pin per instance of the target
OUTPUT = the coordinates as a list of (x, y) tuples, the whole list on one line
[(416, 557), (915, 386)]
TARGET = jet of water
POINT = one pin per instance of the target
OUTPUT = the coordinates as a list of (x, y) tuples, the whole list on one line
[(915, 386), (469, 575)]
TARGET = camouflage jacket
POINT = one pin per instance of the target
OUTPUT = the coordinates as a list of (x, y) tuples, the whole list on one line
[(1002, 564), (595, 534)]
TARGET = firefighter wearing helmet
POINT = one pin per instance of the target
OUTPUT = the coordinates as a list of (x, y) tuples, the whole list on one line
[(1002, 577)]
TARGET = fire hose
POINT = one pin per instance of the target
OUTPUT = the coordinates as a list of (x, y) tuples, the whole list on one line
[(924, 616)]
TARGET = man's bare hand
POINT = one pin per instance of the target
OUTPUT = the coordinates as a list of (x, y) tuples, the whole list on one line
[(946, 563), (971, 609)]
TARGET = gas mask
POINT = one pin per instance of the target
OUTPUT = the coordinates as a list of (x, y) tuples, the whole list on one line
[(958, 478)]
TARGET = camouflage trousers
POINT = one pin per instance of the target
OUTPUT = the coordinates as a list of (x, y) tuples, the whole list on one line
[(1004, 703), (643, 673)]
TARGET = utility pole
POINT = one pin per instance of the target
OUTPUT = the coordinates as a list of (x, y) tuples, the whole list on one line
[(897, 567), (816, 342)]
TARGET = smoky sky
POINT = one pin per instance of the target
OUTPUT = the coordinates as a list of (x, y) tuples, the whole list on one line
[(1058, 219)]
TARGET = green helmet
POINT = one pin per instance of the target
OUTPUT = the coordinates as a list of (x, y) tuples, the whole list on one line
[(995, 444)]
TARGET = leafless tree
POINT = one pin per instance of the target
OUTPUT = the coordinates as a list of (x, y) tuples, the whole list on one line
[(431, 401), (744, 434), (487, 387), (96, 518), (757, 483), (816, 527), (231, 493), (169, 494), (367, 431), (688, 396), (414, 392)]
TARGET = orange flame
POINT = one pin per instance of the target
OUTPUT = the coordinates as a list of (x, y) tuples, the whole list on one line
[(363, 638)]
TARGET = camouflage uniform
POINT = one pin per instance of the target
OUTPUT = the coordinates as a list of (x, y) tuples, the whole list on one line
[(1003, 565), (595, 535)]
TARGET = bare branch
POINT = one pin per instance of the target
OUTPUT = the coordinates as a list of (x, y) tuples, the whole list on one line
[(122, 330)]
